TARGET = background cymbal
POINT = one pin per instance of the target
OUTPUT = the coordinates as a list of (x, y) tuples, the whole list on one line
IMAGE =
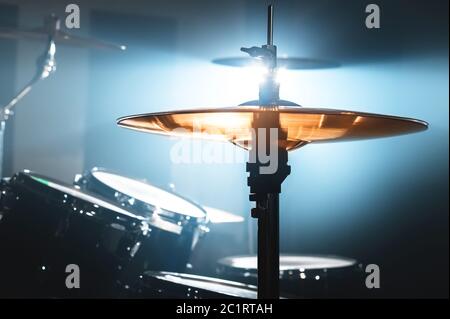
[(61, 37), (219, 216), (290, 63), (302, 125)]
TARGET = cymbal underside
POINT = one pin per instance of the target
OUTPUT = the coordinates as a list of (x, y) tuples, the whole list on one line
[(289, 63), (302, 125)]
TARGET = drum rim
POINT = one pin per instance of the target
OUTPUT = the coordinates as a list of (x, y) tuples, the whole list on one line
[(202, 278), (91, 172), (28, 175), (229, 283)]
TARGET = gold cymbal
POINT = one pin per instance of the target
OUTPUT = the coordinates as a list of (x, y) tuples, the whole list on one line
[(302, 125)]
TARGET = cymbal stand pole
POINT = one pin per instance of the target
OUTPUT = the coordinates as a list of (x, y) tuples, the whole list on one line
[(264, 190), (265, 186), (46, 66), (270, 25)]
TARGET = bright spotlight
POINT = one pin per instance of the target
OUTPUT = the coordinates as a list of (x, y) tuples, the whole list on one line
[(281, 75), (255, 73), (258, 74)]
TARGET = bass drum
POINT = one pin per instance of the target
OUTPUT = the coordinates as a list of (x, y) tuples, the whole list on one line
[(302, 276), (47, 225), (169, 285)]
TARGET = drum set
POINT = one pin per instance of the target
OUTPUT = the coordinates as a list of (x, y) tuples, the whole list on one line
[(132, 239)]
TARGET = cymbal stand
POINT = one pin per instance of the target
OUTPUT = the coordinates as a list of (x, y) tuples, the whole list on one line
[(265, 186), (46, 66)]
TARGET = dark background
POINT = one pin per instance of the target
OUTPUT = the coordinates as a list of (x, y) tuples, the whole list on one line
[(380, 201)]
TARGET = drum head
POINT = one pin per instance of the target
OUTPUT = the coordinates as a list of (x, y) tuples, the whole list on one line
[(156, 197), (290, 262)]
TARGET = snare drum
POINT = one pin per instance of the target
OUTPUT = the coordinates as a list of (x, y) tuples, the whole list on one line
[(302, 276), (47, 225), (185, 286)]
